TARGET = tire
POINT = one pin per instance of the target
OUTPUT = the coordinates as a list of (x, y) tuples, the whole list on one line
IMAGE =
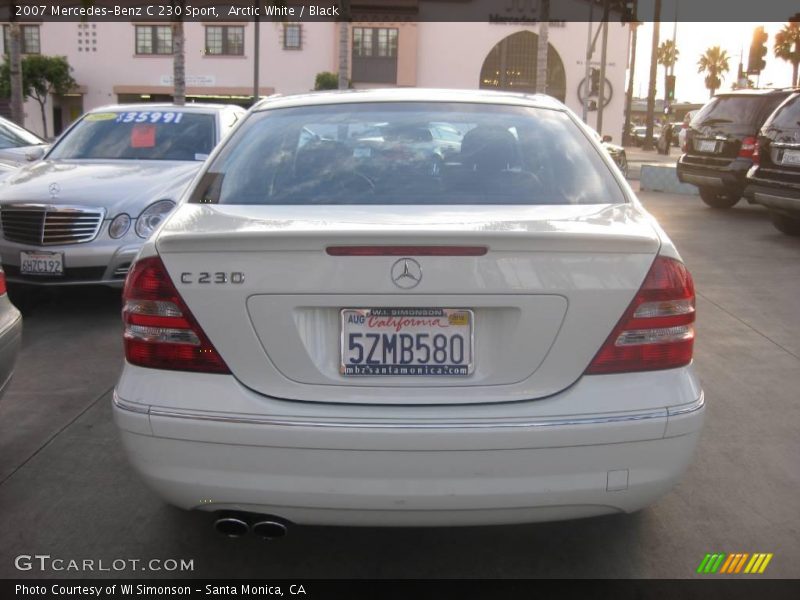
[(719, 199), (785, 224)]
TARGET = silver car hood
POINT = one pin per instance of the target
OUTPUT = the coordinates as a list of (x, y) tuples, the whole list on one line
[(117, 185)]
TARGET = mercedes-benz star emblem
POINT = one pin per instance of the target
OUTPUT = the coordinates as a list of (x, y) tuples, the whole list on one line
[(55, 189), (406, 273)]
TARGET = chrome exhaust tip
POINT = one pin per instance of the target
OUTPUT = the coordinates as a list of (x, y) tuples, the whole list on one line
[(269, 529), (231, 526)]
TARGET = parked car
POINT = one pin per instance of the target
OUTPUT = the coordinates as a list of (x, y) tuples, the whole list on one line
[(617, 153), (673, 129), (10, 335), (774, 179), (80, 215), (640, 134), (18, 145), (508, 339), (720, 142)]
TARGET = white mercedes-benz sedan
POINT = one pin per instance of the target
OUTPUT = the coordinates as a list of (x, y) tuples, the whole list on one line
[(350, 320)]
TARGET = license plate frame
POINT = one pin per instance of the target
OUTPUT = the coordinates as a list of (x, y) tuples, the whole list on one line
[(30, 263), (413, 321), (706, 146), (791, 158)]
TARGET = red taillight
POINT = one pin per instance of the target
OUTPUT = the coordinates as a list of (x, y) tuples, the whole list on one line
[(3, 289), (756, 155), (160, 331), (656, 331), (749, 145)]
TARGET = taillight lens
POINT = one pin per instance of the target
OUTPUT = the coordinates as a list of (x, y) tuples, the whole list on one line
[(657, 330), (160, 331), (749, 145), (756, 155), (3, 289)]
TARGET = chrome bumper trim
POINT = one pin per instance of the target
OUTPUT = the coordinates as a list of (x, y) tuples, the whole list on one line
[(661, 413), (685, 409)]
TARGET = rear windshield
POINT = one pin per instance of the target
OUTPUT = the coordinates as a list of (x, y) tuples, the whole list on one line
[(409, 153), (139, 135), (739, 110), (788, 116)]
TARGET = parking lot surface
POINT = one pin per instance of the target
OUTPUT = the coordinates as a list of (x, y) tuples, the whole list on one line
[(67, 491)]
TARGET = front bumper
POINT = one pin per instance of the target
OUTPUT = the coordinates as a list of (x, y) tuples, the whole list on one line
[(716, 173), (103, 261), (332, 464)]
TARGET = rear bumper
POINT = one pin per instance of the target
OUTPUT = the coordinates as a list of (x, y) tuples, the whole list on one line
[(10, 339), (730, 176), (777, 197), (455, 465)]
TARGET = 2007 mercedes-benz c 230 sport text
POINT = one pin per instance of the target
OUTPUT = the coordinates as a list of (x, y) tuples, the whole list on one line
[(409, 307)]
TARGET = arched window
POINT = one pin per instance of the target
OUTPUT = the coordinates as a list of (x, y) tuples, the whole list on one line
[(511, 65)]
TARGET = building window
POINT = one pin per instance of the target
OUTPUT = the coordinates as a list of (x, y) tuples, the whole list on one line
[(154, 39), (226, 40), (292, 38), (379, 42), (375, 54), (28, 39)]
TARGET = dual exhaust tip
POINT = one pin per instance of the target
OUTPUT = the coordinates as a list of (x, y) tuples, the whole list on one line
[(235, 525)]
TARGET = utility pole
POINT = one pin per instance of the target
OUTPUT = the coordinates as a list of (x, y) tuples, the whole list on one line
[(651, 92), (629, 94), (256, 58), (603, 51), (587, 65)]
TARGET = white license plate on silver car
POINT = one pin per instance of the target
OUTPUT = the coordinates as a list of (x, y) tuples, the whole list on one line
[(41, 263), (791, 157), (706, 145), (407, 342)]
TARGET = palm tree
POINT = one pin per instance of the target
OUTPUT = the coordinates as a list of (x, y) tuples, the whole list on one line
[(787, 47), (715, 64), (667, 56), (344, 45)]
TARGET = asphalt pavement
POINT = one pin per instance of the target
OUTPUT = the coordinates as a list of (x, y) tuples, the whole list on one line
[(67, 491)]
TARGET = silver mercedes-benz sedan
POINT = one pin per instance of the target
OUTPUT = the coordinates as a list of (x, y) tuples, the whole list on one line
[(340, 327), (80, 215)]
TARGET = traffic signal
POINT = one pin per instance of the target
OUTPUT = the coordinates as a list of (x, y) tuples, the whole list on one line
[(594, 82), (758, 50), (670, 95)]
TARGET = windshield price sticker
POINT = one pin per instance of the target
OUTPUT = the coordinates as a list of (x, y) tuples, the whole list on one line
[(147, 116)]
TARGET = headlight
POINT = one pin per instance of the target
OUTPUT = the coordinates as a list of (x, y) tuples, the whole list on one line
[(119, 226), (152, 216)]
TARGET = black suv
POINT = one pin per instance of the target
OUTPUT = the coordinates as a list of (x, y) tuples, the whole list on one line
[(774, 179), (720, 143)]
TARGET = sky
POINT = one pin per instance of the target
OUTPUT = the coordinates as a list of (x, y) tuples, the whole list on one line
[(692, 40)]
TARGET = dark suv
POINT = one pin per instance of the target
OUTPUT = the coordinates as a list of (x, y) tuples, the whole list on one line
[(774, 179), (720, 143)]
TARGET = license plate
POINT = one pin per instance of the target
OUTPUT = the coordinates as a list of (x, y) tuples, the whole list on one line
[(406, 342), (791, 157), (706, 146), (41, 263)]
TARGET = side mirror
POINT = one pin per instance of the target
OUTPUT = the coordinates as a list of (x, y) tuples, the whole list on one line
[(35, 154), (607, 138)]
